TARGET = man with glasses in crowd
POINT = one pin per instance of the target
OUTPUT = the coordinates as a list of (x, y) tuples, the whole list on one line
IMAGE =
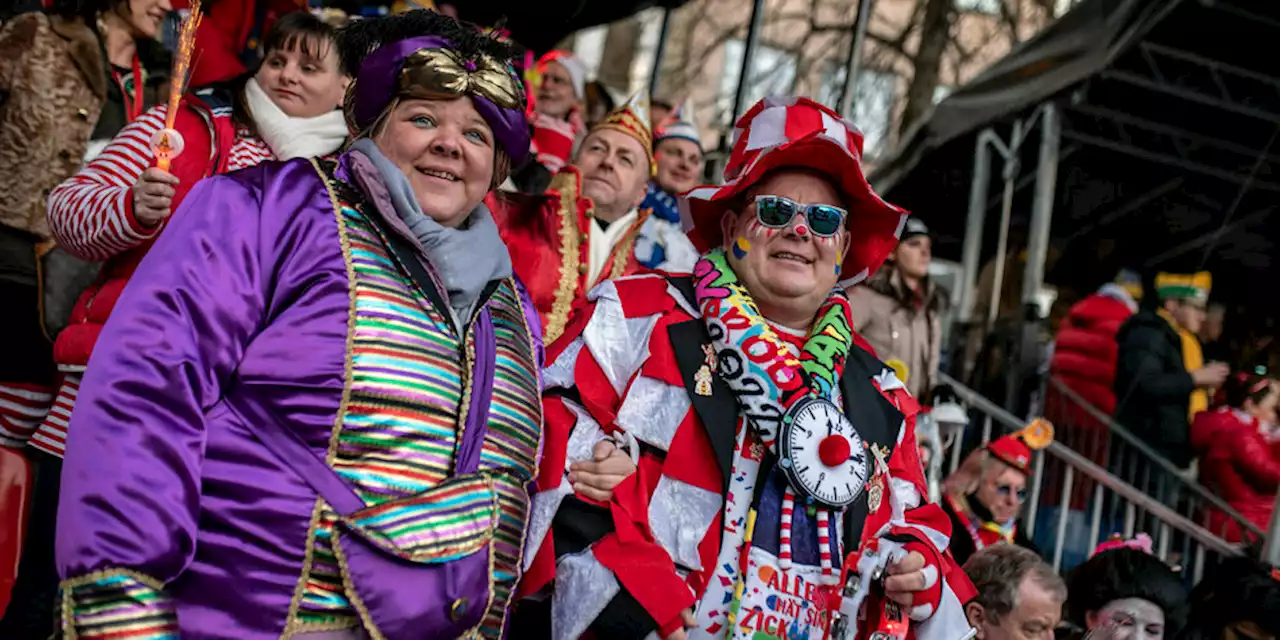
[(984, 497)]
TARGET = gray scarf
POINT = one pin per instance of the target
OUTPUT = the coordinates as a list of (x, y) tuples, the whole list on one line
[(467, 257)]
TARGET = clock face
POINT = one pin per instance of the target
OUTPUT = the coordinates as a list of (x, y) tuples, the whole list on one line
[(823, 455)]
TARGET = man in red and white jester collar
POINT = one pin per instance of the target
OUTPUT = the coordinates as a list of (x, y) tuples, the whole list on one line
[(769, 438)]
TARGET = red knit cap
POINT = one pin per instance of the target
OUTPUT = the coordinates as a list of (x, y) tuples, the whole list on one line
[(1015, 449)]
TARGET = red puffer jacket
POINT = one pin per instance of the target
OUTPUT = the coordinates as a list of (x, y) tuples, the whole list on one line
[(1084, 358), (1236, 463), (1085, 350)]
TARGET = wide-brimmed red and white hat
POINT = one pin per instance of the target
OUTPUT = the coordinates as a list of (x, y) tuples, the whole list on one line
[(800, 133)]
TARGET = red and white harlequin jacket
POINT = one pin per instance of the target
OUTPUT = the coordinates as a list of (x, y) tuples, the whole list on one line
[(626, 364)]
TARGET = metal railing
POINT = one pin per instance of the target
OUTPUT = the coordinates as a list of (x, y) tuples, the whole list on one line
[(1115, 506), (1094, 434)]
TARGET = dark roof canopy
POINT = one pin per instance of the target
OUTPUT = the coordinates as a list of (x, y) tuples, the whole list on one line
[(537, 25), (1169, 158), (540, 25)]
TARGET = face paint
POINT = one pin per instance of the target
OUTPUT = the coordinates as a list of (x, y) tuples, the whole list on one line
[(740, 248), (1130, 619), (754, 228)]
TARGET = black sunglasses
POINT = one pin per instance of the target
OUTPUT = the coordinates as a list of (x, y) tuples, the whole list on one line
[(776, 212)]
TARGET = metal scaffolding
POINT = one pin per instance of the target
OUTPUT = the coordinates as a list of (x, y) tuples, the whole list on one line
[(1045, 180), (659, 49)]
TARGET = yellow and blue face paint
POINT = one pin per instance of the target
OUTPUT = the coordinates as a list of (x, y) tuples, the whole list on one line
[(740, 248)]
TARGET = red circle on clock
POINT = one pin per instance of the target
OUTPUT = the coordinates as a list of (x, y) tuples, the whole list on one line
[(834, 450)]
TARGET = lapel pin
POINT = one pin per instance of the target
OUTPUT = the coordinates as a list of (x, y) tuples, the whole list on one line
[(709, 355), (875, 493), (702, 381)]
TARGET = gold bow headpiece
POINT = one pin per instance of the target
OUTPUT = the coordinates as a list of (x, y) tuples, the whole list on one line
[(442, 72), (430, 67)]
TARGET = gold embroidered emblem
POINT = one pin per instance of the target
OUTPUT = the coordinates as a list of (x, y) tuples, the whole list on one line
[(702, 381), (565, 184), (709, 355)]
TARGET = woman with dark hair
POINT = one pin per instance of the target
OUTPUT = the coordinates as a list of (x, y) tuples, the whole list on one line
[(70, 79), (1236, 460), (115, 207), (1239, 600), (315, 411), (1126, 594)]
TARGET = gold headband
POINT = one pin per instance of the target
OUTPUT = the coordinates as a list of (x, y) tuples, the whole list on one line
[(434, 72)]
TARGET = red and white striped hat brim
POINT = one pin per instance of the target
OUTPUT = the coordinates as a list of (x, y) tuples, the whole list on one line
[(800, 133)]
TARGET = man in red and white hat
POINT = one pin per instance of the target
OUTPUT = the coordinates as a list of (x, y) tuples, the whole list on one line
[(985, 495), (769, 439), (560, 90)]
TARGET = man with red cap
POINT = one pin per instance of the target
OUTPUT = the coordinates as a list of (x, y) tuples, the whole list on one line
[(984, 497), (560, 89), (771, 465)]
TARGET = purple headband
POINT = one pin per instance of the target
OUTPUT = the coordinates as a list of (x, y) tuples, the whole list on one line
[(377, 82)]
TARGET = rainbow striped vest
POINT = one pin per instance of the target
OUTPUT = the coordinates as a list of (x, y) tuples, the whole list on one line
[(409, 392)]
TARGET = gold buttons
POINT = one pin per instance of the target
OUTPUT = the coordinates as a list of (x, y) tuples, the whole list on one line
[(458, 609), (583, 267), (584, 238)]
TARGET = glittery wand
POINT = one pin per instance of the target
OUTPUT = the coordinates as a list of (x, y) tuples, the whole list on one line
[(167, 143)]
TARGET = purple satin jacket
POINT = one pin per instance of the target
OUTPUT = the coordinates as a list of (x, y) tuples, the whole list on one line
[(163, 491)]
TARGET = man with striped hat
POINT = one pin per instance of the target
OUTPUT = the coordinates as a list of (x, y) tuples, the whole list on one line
[(677, 153), (772, 473)]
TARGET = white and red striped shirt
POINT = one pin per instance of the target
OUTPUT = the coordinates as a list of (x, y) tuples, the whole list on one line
[(92, 217), (91, 212), (22, 407)]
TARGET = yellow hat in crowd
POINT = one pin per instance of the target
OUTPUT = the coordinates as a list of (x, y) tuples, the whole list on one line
[(1192, 287)]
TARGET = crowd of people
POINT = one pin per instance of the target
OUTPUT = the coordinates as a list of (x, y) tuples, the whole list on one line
[(411, 342), (1147, 367)]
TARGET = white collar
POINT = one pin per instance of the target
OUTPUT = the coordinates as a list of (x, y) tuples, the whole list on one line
[(603, 240), (289, 137)]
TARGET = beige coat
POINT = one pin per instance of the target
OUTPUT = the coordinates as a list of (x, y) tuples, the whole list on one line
[(53, 83), (901, 325)]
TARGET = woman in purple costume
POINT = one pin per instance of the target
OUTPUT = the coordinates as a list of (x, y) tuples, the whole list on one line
[(315, 411)]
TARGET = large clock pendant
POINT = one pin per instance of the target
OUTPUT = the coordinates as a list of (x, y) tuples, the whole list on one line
[(822, 454)]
